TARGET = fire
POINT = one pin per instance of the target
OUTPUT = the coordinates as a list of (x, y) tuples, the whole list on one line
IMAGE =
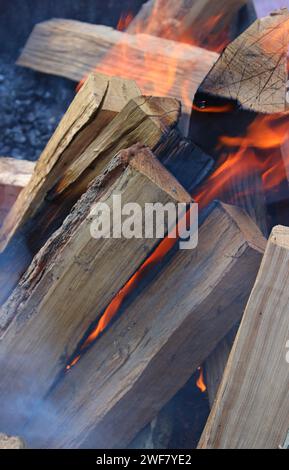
[(258, 151), (201, 381), (158, 77), (124, 21), (156, 257)]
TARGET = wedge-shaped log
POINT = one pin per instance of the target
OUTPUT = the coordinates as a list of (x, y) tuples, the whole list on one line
[(251, 410), (143, 119), (72, 49), (158, 341), (100, 99), (75, 276), (189, 21), (14, 176)]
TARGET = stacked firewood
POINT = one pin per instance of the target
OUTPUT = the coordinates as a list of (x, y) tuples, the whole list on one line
[(97, 335)]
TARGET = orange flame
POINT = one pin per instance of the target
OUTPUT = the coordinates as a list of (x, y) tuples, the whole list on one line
[(257, 151), (156, 257), (124, 21), (157, 72), (201, 381)]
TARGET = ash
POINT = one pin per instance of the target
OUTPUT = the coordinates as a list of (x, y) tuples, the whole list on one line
[(31, 105)]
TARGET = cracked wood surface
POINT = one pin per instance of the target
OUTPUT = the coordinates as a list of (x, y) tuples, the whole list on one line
[(74, 277), (253, 69), (251, 410), (157, 342), (158, 66), (144, 119)]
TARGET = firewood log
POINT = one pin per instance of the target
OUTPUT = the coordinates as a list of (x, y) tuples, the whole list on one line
[(158, 340), (251, 410), (248, 80), (75, 276), (72, 49), (14, 176), (143, 119), (97, 103), (188, 20)]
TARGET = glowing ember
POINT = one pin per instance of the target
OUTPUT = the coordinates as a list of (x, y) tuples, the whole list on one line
[(201, 382)]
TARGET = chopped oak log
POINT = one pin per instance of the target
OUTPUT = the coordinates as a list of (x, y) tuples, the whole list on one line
[(143, 119), (74, 277), (14, 176), (72, 49), (251, 410), (249, 79), (203, 22), (157, 342)]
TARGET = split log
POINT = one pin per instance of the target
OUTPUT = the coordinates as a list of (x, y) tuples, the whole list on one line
[(251, 410), (97, 103), (145, 120), (206, 23), (216, 363), (158, 341), (14, 176), (241, 88), (72, 49), (74, 277)]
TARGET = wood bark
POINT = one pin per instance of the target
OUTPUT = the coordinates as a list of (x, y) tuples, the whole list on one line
[(145, 120), (158, 341), (14, 176), (74, 277), (251, 410), (72, 49), (192, 21)]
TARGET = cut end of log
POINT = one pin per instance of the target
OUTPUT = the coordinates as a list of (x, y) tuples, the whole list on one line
[(143, 160), (280, 236), (252, 70)]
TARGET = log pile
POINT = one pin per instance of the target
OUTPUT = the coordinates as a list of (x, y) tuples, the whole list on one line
[(98, 334)]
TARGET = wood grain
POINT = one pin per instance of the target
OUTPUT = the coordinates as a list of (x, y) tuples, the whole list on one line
[(192, 21), (144, 119), (157, 342), (74, 277), (14, 176), (251, 410), (72, 49)]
